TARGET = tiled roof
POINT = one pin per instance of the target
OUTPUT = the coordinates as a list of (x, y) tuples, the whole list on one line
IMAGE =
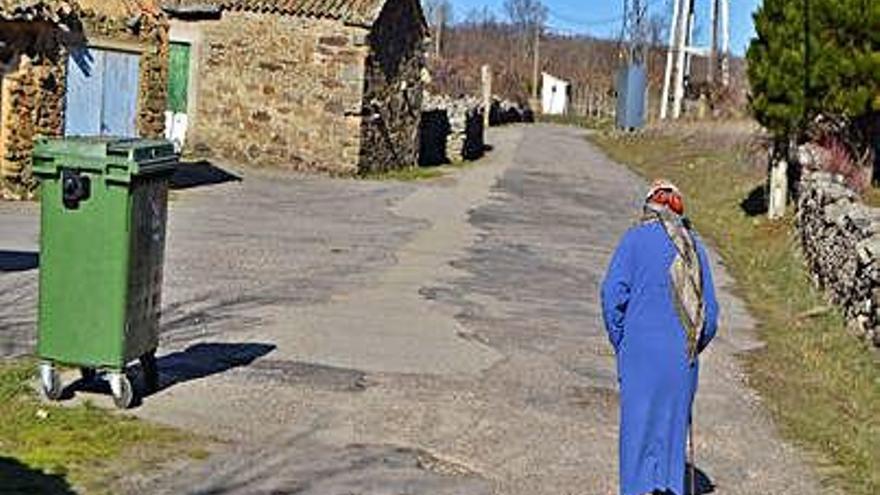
[(52, 10), (362, 12), (35, 10)]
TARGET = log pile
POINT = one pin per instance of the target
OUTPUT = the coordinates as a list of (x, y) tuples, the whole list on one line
[(840, 238)]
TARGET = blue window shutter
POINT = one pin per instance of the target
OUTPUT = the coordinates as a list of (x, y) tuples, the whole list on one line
[(120, 95), (85, 70)]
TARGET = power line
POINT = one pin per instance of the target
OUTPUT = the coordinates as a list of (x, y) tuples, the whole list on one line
[(580, 22), (586, 23)]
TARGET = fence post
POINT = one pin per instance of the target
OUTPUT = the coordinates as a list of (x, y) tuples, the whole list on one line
[(487, 95)]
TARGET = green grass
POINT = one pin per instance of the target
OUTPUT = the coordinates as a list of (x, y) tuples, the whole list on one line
[(408, 174), (411, 174), (58, 449), (577, 121), (820, 382)]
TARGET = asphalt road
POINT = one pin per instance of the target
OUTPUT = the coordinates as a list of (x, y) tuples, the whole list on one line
[(354, 337)]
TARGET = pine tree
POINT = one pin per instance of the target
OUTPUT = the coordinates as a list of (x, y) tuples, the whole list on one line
[(814, 57)]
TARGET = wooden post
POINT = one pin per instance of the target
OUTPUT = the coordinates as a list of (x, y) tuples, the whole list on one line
[(439, 20), (725, 42), (487, 95), (537, 64), (713, 46), (778, 185)]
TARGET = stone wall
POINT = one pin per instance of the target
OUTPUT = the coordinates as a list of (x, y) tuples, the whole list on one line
[(840, 239), (280, 90), (150, 38), (451, 130), (393, 89), (505, 112), (33, 92)]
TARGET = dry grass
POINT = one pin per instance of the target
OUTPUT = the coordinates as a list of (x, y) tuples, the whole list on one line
[(872, 197), (821, 383)]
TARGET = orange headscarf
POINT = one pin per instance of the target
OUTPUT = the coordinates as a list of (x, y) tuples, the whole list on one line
[(665, 193)]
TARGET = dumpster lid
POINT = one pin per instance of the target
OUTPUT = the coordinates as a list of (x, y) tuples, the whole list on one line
[(110, 155)]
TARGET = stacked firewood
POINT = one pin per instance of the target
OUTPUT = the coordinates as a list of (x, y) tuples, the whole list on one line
[(840, 239)]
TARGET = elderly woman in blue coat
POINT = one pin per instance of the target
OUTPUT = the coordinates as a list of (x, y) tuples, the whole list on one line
[(659, 307)]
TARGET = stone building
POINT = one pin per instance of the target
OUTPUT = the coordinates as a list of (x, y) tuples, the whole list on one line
[(318, 85), (77, 67)]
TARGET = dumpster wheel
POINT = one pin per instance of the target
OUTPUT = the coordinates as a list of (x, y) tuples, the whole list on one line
[(50, 382), (120, 385)]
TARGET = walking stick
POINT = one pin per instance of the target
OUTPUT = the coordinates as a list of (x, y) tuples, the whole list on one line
[(693, 458)]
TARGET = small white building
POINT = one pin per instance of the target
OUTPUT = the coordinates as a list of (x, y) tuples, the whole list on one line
[(554, 95)]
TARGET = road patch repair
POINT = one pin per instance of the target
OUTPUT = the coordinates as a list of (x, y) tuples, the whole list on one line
[(371, 337)]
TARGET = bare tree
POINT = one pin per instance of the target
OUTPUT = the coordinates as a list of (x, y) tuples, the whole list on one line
[(439, 15), (526, 15), (528, 18), (658, 29)]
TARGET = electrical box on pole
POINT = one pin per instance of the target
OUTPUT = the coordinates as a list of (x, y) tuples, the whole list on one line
[(632, 77)]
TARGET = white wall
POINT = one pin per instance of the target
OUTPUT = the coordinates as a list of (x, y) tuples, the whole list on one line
[(554, 95)]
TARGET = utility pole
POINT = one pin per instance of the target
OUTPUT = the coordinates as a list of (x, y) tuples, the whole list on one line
[(681, 51), (683, 36), (536, 73), (439, 20), (725, 42), (670, 55), (713, 47)]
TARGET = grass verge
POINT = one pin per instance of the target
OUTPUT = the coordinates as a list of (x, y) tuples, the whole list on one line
[(597, 123), (821, 383), (411, 174), (53, 449)]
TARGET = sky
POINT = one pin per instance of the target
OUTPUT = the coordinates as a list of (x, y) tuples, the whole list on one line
[(604, 17)]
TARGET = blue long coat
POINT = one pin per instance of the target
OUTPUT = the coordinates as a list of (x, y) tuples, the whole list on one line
[(657, 381)]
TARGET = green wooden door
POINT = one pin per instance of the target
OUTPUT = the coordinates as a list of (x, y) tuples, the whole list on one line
[(178, 77)]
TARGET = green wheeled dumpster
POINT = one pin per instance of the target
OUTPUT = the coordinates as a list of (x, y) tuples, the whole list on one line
[(102, 242)]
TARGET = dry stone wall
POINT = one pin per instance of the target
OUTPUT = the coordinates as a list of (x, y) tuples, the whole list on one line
[(451, 130), (840, 238), (34, 92), (280, 90), (393, 89), (151, 36)]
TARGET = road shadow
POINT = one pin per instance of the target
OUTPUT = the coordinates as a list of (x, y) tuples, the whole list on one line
[(189, 175), (203, 360), (755, 204), (15, 477), (193, 363), (18, 261)]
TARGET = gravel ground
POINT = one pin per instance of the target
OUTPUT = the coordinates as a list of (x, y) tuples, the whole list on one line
[(353, 337)]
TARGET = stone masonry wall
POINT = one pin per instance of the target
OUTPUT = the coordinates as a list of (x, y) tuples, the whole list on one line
[(393, 90), (451, 130), (33, 94), (152, 37), (280, 90), (840, 238)]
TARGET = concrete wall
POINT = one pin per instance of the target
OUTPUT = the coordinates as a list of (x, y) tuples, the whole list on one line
[(278, 90)]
